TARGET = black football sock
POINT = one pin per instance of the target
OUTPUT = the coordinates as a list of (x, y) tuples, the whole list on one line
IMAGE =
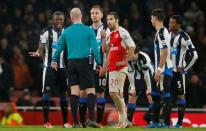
[(156, 107), (82, 109), (181, 110), (45, 99), (130, 111), (167, 107), (151, 113), (74, 102), (64, 108), (91, 101), (100, 108)]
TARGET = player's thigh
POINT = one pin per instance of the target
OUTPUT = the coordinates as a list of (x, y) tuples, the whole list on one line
[(48, 79)]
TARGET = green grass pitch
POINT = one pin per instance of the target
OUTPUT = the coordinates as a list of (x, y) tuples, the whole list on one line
[(58, 128)]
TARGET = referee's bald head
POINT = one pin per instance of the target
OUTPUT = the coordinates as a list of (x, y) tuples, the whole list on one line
[(75, 13)]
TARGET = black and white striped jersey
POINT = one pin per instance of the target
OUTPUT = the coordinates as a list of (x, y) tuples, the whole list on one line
[(142, 68), (49, 37), (162, 41), (99, 41), (181, 45)]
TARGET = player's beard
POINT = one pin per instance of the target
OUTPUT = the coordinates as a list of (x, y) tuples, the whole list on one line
[(112, 27)]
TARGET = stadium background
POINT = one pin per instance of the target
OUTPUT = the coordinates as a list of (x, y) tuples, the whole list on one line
[(22, 20)]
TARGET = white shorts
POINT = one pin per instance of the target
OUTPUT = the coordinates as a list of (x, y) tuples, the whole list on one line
[(117, 79)]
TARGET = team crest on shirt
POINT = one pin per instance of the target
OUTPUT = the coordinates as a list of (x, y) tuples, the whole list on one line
[(116, 36)]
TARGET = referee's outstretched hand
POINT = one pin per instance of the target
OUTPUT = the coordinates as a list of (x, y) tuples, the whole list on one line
[(54, 65)]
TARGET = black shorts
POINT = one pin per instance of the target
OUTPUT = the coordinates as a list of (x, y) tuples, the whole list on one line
[(178, 84), (140, 86), (52, 78), (164, 85), (100, 83), (80, 73)]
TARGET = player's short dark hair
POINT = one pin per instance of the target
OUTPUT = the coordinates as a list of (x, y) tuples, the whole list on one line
[(97, 7), (178, 19), (57, 13), (159, 13), (115, 14)]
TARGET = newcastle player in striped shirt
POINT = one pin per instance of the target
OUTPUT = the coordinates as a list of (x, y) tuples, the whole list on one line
[(139, 68), (51, 78), (163, 70), (181, 46)]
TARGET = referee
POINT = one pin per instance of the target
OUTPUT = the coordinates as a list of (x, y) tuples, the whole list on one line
[(78, 39)]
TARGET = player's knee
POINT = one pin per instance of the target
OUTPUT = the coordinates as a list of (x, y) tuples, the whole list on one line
[(83, 94), (90, 91), (75, 90), (113, 94), (99, 95), (181, 97), (121, 95), (132, 99)]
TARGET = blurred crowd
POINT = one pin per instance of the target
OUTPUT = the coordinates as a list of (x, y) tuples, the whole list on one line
[(22, 20)]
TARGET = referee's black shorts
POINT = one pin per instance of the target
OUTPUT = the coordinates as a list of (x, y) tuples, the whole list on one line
[(80, 73)]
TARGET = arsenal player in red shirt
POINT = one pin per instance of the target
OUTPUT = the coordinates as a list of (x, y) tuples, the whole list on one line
[(120, 48)]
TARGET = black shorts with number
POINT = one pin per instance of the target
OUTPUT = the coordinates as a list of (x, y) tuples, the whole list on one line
[(80, 73), (100, 83), (53, 78), (178, 84)]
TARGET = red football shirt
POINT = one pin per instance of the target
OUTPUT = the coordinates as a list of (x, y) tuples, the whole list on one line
[(119, 41)]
